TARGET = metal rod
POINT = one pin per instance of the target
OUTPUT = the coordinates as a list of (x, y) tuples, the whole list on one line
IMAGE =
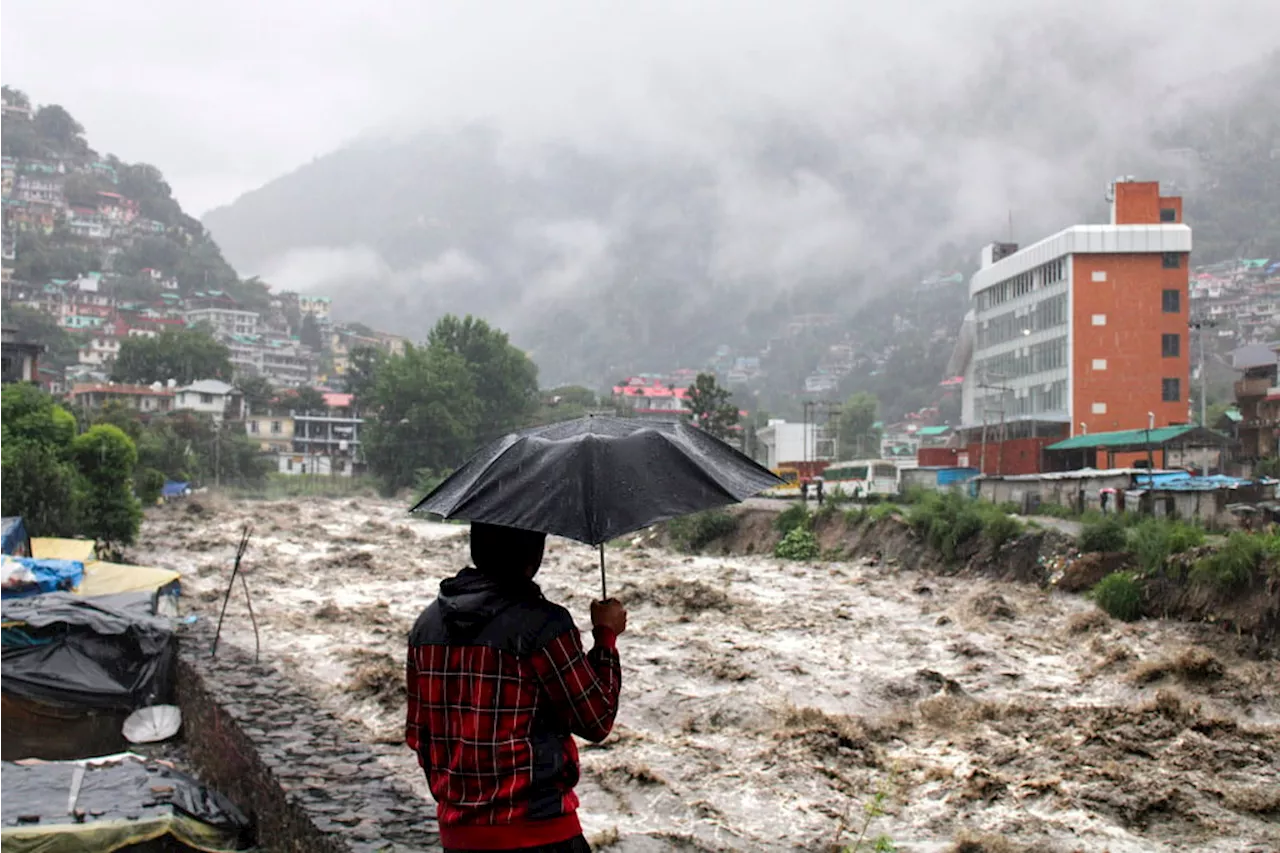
[(604, 592), (257, 643), (235, 570)]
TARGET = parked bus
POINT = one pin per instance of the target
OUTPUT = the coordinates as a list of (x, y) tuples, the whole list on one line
[(795, 475), (861, 478)]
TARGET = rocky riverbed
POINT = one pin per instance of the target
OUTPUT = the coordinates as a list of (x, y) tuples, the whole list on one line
[(766, 703)]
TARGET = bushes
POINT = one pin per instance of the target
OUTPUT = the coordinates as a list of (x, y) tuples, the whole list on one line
[(1232, 566), (798, 544), (1119, 595), (949, 520), (1154, 540), (794, 516), (1105, 534), (695, 532)]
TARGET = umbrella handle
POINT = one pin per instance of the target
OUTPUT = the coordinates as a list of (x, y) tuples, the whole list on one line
[(604, 592)]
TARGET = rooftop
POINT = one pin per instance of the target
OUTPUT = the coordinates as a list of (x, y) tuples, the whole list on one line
[(1140, 439)]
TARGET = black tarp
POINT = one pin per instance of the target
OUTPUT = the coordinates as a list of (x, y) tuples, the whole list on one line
[(121, 800), (109, 652)]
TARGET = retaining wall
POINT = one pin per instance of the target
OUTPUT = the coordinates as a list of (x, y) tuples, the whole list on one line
[(310, 786)]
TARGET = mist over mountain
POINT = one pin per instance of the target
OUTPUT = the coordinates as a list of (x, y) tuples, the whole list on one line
[(711, 212)]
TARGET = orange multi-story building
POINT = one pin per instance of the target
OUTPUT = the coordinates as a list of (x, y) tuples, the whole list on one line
[(1084, 331)]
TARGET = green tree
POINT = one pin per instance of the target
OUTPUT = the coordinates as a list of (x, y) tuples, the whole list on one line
[(309, 334), (857, 435), (505, 380), (184, 355), (258, 393), (363, 364), (109, 511), (427, 414), (63, 133), (39, 482), (710, 406), (308, 400)]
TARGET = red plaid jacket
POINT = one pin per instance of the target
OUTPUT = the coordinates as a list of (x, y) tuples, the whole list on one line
[(498, 683)]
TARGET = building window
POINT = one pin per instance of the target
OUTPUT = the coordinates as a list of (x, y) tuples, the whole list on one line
[(1170, 346), (1172, 260), (1099, 319), (1171, 302), (1099, 275), (1099, 364), (275, 427), (1099, 408), (1171, 391), (206, 399), (1168, 214), (253, 427)]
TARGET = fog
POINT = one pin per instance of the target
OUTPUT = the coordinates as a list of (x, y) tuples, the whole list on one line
[(794, 142)]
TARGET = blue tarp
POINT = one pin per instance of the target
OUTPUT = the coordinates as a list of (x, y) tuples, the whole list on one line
[(174, 489), (14, 538), (1181, 481), (24, 576), (951, 476)]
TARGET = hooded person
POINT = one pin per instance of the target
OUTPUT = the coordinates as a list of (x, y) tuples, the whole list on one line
[(498, 683)]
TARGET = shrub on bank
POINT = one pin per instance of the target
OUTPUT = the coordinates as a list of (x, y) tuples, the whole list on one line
[(694, 532), (1154, 540), (948, 520), (1232, 566), (1106, 534), (798, 544), (1119, 595), (793, 517)]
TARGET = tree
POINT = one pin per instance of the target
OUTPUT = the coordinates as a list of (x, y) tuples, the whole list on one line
[(856, 431), (258, 394), (183, 355), (38, 480), (109, 511), (709, 405), (309, 400), (427, 415), (64, 134), (309, 334), (363, 364), (565, 403), (505, 380)]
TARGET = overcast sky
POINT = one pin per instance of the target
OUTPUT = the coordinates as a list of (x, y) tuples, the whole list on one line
[(225, 96)]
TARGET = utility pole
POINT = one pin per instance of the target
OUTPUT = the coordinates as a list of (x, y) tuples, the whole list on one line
[(986, 386), (1200, 326)]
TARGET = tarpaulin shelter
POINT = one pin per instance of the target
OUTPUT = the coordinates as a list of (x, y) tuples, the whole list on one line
[(101, 577), (113, 803), (173, 489), (26, 576), (13, 537), (75, 667)]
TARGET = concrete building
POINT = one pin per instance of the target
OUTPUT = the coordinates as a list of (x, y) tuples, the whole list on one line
[(1084, 331), (211, 397), (144, 398), (21, 358), (229, 321), (780, 441), (274, 433), (1257, 400), (327, 442)]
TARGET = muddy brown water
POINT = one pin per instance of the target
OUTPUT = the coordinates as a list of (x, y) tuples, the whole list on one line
[(766, 702)]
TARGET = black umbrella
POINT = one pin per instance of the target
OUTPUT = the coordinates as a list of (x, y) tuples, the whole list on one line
[(596, 478)]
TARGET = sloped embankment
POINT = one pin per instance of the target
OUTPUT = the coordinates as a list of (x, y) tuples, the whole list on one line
[(1250, 609)]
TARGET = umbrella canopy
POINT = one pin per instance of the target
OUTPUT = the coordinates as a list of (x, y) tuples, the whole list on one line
[(596, 478)]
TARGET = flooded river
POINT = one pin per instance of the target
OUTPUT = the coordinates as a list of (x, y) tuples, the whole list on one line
[(766, 703)]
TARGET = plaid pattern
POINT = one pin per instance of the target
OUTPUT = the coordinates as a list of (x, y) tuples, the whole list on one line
[(491, 728)]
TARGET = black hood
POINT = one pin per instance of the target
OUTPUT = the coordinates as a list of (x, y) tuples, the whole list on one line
[(471, 599)]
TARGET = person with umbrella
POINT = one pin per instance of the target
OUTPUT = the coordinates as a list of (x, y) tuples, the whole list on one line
[(498, 682), (498, 679)]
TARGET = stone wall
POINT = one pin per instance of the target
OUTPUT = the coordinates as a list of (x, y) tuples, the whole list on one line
[(310, 786)]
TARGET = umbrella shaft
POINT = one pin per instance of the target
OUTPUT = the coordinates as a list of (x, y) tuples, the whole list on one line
[(604, 591)]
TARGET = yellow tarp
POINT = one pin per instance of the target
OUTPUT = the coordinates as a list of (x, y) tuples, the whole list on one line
[(48, 548), (102, 578)]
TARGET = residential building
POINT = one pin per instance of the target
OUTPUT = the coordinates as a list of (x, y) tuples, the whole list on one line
[(316, 306), (211, 397), (282, 360), (39, 188), (21, 359), (101, 348), (230, 321), (649, 397), (780, 441), (144, 398), (274, 433), (1084, 331), (327, 442), (1258, 400)]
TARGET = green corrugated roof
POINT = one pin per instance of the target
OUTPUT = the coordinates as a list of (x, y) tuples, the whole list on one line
[(1124, 438), (933, 430), (1233, 415)]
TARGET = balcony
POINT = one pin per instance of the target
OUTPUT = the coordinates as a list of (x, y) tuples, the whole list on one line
[(1253, 387)]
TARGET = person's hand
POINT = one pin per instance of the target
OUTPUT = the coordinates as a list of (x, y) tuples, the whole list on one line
[(609, 614)]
